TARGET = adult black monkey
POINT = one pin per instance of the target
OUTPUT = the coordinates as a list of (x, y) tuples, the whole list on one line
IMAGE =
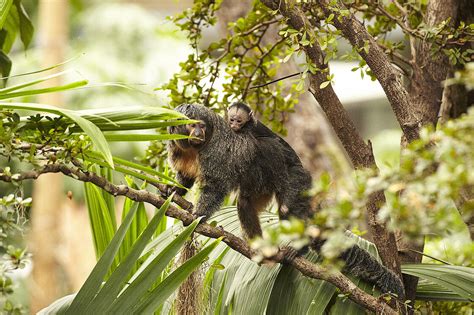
[(223, 160)]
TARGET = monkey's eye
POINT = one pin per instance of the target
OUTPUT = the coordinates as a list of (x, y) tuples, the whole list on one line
[(202, 125), (193, 125)]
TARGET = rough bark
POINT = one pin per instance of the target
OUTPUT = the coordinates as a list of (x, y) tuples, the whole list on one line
[(381, 66), (359, 152), (300, 263), (455, 101), (426, 90), (430, 69)]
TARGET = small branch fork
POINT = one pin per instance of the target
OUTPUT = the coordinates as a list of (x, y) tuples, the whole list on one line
[(300, 263)]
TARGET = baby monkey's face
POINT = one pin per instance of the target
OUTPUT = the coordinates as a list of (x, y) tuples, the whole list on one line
[(237, 118)]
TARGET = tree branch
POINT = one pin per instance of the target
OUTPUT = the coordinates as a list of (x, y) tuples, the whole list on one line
[(359, 152), (379, 63), (300, 263)]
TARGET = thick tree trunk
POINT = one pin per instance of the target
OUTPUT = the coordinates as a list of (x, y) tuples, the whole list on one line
[(426, 91)]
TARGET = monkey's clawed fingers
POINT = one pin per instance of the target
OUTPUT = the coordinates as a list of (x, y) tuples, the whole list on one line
[(289, 253)]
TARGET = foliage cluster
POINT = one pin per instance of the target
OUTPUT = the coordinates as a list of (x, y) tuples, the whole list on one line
[(421, 192), (258, 45), (13, 257), (230, 69)]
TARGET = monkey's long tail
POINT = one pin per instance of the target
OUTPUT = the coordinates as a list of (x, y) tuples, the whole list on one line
[(363, 265)]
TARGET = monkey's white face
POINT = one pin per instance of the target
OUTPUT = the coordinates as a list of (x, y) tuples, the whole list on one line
[(237, 118)]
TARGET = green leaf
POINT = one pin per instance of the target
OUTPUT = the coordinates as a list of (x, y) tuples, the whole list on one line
[(5, 6), (143, 137), (5, 66), (457, 279), (139, 223), (107, 173), (89, 128), (10, 27), (59, 306), (295, 293), (220, 297), (159, 295), (94, 281), (324, 84), (5, 91), (102, 225), (26, 27), (112, 287), (146, 169), (150, 272), (59, 88), (125, 171), (45, 69)]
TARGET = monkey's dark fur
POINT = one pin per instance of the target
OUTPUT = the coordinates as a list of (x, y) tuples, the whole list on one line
[(292, 198), (260, 164)]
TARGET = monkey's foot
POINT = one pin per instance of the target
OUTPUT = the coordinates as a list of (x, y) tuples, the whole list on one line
[(289, 253), (199, 215)]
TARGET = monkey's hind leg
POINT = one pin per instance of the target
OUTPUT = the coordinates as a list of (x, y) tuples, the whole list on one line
[(248, 208)]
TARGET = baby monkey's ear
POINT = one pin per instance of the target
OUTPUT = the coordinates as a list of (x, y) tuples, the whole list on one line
[(252, 118)]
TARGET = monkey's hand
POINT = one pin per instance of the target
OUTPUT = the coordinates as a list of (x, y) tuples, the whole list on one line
[(174, 189)]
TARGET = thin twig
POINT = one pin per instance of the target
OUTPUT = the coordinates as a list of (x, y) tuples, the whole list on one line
[(262, 58), (276, 80)]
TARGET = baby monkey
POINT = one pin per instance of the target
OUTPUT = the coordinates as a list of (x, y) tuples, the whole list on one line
[(239, 116), (292, 200)]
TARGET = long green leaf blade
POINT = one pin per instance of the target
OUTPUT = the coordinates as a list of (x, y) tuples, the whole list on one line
[(159, 295), (140, 285), (103, 228), (4, 11), (30, 83), (94, 281), (112, 287), (457, 279), (146, 169), (53, 89), (142, 137)]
